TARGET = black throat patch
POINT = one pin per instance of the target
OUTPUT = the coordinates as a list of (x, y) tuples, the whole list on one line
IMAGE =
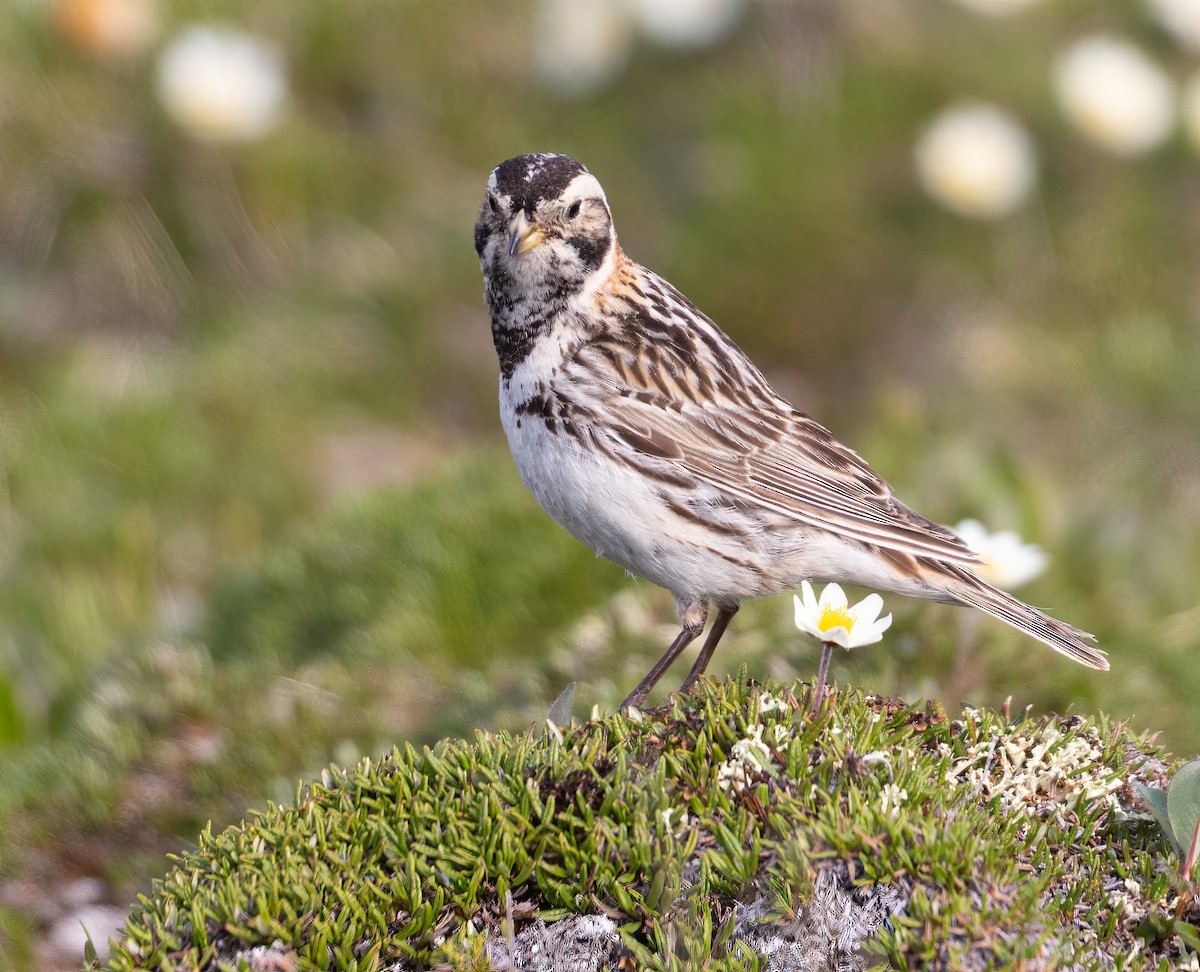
[(520, 318)]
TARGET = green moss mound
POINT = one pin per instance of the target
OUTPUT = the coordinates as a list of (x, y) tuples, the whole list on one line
[(703, 834)]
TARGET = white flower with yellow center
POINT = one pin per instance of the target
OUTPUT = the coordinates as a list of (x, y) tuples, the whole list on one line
[(976, 160), (1115, 95), (1005, 559), (833, 620), (221, 85)]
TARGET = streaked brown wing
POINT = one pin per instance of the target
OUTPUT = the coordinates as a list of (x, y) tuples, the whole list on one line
[(758, 449)]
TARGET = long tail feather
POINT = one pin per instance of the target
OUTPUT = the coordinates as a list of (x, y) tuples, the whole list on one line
[(968, 589)]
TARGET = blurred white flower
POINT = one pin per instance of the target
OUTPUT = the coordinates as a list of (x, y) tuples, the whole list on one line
[(834, 620), (1181, 18), (685, 23), (108, 28), (221, 85), (1006, 560), (580, 45), (976, 160), (1191, 110), (996, 8), (1115, 95)]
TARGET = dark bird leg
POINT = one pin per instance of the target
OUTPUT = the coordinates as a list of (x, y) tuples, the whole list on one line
[(710, 645), (685, 637)]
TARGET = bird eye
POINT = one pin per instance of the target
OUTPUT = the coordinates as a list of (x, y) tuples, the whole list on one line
[(495, 208), (573, 209)]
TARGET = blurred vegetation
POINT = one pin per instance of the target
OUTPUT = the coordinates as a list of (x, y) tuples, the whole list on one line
[(255, 512)]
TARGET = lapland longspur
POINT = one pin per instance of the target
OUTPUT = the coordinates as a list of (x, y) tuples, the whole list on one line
[(645, 431)]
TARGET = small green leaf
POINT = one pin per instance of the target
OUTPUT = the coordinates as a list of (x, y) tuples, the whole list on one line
[(1189, 935), (560, 711), (89, 948), (1155, 929), (1156, 800), (1183, 805)]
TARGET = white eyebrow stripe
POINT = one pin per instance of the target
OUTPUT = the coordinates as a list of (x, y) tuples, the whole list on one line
[(584, 184)]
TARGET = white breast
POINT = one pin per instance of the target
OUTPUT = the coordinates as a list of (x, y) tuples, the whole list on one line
[(619, 513), (602, 503)]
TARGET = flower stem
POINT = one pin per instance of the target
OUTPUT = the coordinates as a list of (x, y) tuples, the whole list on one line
[(819, 687)]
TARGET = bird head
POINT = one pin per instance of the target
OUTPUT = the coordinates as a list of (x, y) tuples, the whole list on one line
[(544, 225)]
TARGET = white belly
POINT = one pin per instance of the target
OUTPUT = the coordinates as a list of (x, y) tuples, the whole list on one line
[(621, 515), (601, 503)]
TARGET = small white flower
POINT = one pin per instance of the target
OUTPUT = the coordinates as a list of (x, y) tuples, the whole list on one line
[(996, 8), (1006, 560), (221, 85), (976, 160), (748, 758), (834, 620), (109, 28), (891, 798), (1181, 18), (685, 23), (1115, 95), (580, 45), (1191, 110)]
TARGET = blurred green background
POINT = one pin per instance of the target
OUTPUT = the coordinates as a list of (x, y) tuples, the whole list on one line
[(256, 511)]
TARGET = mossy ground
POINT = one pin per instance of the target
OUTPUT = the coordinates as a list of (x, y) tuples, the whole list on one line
[(217, 362), (1012, 841)]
